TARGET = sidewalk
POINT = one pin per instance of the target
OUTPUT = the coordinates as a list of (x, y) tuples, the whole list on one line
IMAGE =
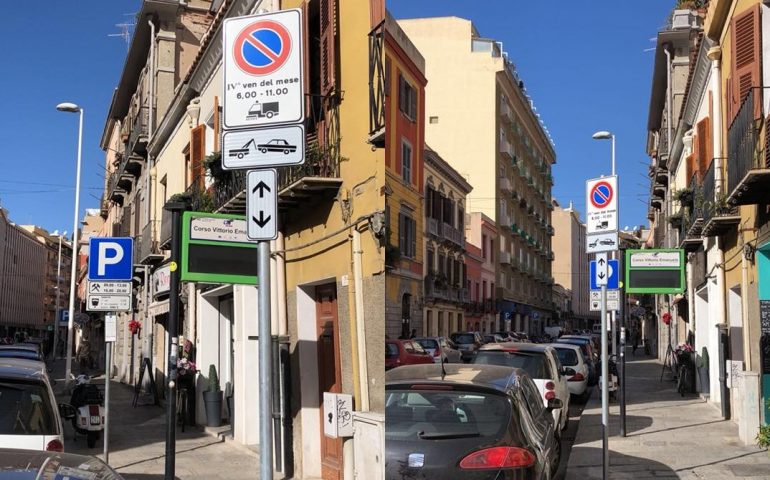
[(137, 441), (668, 436)]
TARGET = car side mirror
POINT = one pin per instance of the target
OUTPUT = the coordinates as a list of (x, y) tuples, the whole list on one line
[(568, 371), (67, 411), (554, 403)]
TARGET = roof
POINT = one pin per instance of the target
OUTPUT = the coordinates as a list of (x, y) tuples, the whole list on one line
[(488, 376), (22, 369), (448, 173)]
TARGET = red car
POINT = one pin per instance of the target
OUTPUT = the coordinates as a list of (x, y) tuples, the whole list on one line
[(404, 352)]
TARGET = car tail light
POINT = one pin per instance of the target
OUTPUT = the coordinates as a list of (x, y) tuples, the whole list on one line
[(498, 457), (55, 445), (578, 377), (93, 410), (549, 395), (549, 386), (437, 353)]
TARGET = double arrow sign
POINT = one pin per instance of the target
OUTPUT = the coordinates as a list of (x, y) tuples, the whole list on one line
[(601, 269), (262, 205)]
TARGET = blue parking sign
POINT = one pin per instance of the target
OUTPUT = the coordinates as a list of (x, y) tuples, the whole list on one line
[(613, 269), (111, 258)]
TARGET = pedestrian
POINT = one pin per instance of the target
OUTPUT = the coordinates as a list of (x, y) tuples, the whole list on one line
[(84, 355), (414, 333), (635, 340)]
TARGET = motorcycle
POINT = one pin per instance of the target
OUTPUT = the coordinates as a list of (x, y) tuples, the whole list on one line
[(612, 380), (88, 402)]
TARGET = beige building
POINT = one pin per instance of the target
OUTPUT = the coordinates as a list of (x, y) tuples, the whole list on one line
[(444, 266), (570, 265), (22, 278), (472, 92)]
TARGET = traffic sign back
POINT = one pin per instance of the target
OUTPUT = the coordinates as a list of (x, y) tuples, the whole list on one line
[(111, 258)]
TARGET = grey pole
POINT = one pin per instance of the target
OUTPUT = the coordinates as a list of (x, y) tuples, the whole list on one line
[(73, 273), (622, 313), (265, 363), (605, 392), (108, 361)]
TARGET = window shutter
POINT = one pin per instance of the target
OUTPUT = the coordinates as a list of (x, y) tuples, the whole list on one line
[(401, 234), (197, 152), (704, 150), (746, 59), (689, 165), (413, 103), (328, 45), (413, 238)]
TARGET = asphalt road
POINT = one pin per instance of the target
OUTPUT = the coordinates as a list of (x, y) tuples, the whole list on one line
[(568, 435)]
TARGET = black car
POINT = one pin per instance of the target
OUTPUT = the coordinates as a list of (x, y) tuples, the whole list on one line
[(468, 343), (476, 422)]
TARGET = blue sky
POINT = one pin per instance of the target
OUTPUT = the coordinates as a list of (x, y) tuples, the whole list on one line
[(585, 66), (56, 51)]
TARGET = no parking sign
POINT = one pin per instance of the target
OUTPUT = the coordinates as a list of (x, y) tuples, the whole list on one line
[(263, 70)]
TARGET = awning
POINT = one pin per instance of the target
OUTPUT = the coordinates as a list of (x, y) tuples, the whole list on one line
[(158, 308)]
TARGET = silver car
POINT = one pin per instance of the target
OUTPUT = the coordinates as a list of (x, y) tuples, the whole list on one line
[(441, 349)]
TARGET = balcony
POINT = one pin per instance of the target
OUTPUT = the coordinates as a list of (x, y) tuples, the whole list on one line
[(550, 231), (506, 112), (718, 216), (137, 139), (503, 219), (434, 227), (116, 193), (454, 235), (505, 258), (230, 193), (318, 179), (377, 86), (437, 289), (506, 148), (146, 250), (748, 167), (504, 184)]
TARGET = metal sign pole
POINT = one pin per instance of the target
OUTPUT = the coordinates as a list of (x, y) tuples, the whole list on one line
[(605, 389), (108, 363), (622, 313), (265, 361)]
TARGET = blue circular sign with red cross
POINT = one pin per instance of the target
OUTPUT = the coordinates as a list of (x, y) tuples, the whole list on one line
[(601, 194), (262, 47)]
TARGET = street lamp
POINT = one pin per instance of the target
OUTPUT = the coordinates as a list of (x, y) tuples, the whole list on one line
[(72, 108), (605, 135)]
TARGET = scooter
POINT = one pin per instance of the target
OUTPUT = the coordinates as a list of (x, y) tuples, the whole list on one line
[(88, 402), (612, 380)]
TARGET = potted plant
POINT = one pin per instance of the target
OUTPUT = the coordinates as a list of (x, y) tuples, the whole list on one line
[(212, 398), (684, 196)]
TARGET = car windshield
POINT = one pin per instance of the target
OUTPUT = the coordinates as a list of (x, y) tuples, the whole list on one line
[(583, 345), (444, 414), (391, 350), (25, 409), (25, 464), (567, 356), (531, 362), (428, 343), (463, 338), (19, 354)]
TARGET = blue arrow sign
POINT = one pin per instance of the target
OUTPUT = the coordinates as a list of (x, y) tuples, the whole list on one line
[(613, 269)]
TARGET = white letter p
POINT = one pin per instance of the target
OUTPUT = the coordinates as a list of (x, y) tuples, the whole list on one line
[(104, 260)]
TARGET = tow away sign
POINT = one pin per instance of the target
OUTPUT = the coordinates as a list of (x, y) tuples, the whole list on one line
[(602, 205)]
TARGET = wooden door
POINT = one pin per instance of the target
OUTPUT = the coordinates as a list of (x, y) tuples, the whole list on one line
[(329, 377)]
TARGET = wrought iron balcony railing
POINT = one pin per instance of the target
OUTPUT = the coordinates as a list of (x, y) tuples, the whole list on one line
[(748, 166)]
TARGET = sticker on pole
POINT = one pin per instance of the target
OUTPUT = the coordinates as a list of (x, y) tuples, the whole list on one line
[(602, 205), (263, 83)]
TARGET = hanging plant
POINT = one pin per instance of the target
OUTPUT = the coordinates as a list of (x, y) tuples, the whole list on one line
[(213, 164), (684, 196)]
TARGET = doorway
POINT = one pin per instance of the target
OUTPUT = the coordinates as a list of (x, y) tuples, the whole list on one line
[(329, 375)]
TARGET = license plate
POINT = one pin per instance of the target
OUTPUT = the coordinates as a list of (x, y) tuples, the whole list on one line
[(95, 420)]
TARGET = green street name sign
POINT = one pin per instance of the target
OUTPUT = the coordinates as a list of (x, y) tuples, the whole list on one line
[(215, 249), (655, 271)]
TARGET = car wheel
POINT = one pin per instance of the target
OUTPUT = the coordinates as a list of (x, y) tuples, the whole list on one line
[(240, 156), (565, 412), (263, 150), (269, 114), (285, 152), (556, 455)]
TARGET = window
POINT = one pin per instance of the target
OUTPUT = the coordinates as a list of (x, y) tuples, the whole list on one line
[(433, 119), (387, 76), (428, 202), (407, 98), (484, 247), (406, 162), (429, 259), (407, 235)]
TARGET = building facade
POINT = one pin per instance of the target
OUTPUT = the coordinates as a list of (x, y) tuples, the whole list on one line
[(570, 266), (510, 171), (480, 232), (404, 140), (445, 272)]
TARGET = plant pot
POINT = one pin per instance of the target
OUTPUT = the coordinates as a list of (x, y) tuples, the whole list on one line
[(213, 403)]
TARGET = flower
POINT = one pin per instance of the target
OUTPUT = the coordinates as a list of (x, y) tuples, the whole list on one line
[(185, 367), (134, 326)]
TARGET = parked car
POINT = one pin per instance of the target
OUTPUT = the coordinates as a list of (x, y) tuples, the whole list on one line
[(440, 348), (404, 352), (492, 338), (468, 343), (20, 350), (522, 336), (590, 356), (29, 415), (541, 363), (33, 464), (508, 336), (474, 422), (571, 356)]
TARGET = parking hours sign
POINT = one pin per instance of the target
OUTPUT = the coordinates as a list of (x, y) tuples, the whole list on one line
[(602, 205), (263, 70)]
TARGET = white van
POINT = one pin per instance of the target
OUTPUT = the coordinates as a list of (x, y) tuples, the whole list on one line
[(29, 414)]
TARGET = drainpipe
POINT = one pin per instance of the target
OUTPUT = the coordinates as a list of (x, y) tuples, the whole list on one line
[(360, 320), (352, 313), (745, 310)]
